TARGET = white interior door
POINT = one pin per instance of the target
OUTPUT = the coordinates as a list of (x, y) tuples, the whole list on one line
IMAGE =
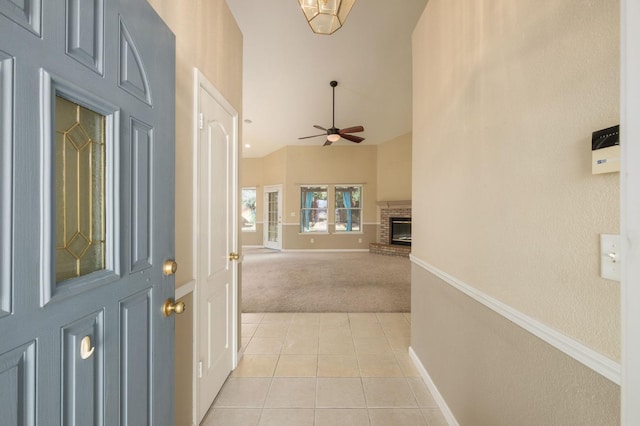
[(216, 281), (86, 214), (273, 217)]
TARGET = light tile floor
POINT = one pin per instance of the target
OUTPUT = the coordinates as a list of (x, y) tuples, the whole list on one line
[(327, 369)]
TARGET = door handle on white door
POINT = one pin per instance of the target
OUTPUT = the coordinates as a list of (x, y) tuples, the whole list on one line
[(86, 350)]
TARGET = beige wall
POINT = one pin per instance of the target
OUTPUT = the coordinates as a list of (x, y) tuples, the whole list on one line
[(207, 37), (274, 168), (294, 240), (492, 372), (253, 238), (394, 169), (506, 95), (251, 172), (183, 373), (294, 166), (331, 165), (269, 170)]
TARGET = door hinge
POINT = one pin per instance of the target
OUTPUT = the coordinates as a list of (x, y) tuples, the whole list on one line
[(200, 370), (201, 121)]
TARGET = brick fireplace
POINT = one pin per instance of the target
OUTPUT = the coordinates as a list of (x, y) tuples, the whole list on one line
[(388, 210)]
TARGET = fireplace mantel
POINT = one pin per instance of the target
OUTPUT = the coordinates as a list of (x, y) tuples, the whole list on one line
[(401, 204)]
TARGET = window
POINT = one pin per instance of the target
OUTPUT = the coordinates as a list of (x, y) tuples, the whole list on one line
[(80, 182), (348, 208), (249, 209), (313, 209)]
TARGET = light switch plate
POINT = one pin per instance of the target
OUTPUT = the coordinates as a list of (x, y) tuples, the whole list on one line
[(610, 256)]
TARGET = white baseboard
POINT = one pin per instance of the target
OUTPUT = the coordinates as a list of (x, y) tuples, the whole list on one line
[(442, 404), (576, 350)]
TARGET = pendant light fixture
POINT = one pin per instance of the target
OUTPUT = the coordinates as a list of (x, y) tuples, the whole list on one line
[(326, 16)]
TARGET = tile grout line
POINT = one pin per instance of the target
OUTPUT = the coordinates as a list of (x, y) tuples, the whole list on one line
[(264, 403), (319, 324)]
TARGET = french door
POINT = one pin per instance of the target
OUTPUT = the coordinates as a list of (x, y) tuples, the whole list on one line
[(273, 217), (87, 213)]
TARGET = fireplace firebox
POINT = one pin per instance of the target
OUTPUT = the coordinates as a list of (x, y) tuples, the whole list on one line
[(400, 231)]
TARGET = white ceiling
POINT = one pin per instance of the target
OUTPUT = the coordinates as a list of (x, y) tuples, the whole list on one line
[(287, 70)]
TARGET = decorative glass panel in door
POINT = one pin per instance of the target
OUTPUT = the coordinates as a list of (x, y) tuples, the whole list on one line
[(79, 190), (272, 205), (273, 217)]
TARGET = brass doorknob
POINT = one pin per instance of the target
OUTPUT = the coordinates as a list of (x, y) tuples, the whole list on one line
[(170, 307), (234, 256), (170, 267)]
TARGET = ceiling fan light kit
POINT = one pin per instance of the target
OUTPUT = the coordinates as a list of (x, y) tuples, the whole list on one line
[(333, 133), (326, 16)]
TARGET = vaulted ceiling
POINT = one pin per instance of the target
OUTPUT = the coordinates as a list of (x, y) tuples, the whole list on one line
[(287, 70)]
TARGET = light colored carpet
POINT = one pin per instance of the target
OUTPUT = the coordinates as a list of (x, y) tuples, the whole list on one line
[(274, 281)]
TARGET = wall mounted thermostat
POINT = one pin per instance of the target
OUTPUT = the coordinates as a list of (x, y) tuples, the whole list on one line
[(605, 150)]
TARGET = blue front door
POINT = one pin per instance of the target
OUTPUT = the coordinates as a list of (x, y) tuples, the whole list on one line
[(86, 216)]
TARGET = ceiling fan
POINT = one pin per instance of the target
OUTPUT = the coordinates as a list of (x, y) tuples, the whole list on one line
[(333, 133)]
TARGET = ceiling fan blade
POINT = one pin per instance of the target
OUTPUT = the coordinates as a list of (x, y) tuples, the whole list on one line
[(354, 129), (319, 127), (314, 136), (327, 143), (352, 138)]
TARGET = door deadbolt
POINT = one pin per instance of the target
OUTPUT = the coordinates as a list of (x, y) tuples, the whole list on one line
[(170, 267)]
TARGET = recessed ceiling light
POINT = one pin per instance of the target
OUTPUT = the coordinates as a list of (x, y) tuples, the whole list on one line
[(247, 121), (246, 145)]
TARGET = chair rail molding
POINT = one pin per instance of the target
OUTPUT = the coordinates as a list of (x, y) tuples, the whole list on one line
[(571, 347)]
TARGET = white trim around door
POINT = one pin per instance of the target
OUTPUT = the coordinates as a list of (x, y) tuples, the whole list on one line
[(630, 208)]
